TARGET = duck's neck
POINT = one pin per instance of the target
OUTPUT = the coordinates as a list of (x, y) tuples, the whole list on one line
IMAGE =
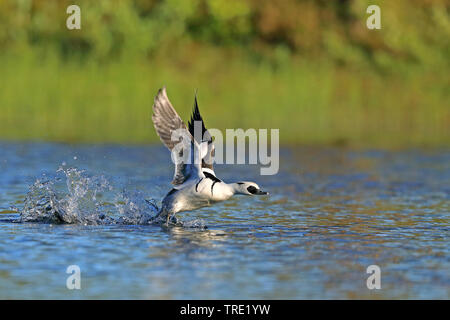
[(223, 191), (235, 188)]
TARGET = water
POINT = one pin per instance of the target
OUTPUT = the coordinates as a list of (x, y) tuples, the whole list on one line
[(330, 215)]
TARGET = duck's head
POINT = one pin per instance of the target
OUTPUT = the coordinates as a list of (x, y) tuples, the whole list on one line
[(248, 188)]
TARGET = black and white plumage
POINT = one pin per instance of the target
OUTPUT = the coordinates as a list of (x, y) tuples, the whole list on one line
[(195, 182)]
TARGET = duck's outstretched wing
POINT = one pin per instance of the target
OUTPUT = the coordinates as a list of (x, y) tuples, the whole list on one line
[(168, 124), (202, 137)]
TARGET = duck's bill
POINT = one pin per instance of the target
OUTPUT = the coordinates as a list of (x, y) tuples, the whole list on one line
[(259, 192)]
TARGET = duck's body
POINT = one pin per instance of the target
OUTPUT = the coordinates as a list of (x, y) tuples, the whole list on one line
[(197, 195), (195, 182)]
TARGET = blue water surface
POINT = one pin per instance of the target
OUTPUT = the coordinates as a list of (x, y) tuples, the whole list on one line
[(331, 213)]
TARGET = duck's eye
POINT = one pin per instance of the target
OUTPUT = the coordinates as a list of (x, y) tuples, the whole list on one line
[(252, 189)]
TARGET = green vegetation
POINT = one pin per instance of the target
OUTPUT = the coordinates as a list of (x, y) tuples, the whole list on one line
[(310, 68)]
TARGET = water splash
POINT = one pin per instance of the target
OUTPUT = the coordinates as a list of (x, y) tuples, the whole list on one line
[(133, 208), (84, 200)]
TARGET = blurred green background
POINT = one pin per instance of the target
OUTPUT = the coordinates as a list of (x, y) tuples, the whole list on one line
[(310, 68)]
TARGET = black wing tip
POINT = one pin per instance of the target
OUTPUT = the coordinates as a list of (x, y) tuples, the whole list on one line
[(196, 116), (196, 112)]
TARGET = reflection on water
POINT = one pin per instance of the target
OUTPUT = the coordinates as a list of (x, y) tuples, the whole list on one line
[(331, 214)]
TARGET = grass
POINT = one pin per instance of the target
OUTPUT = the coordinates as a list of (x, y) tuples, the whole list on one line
[(311, 102)]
